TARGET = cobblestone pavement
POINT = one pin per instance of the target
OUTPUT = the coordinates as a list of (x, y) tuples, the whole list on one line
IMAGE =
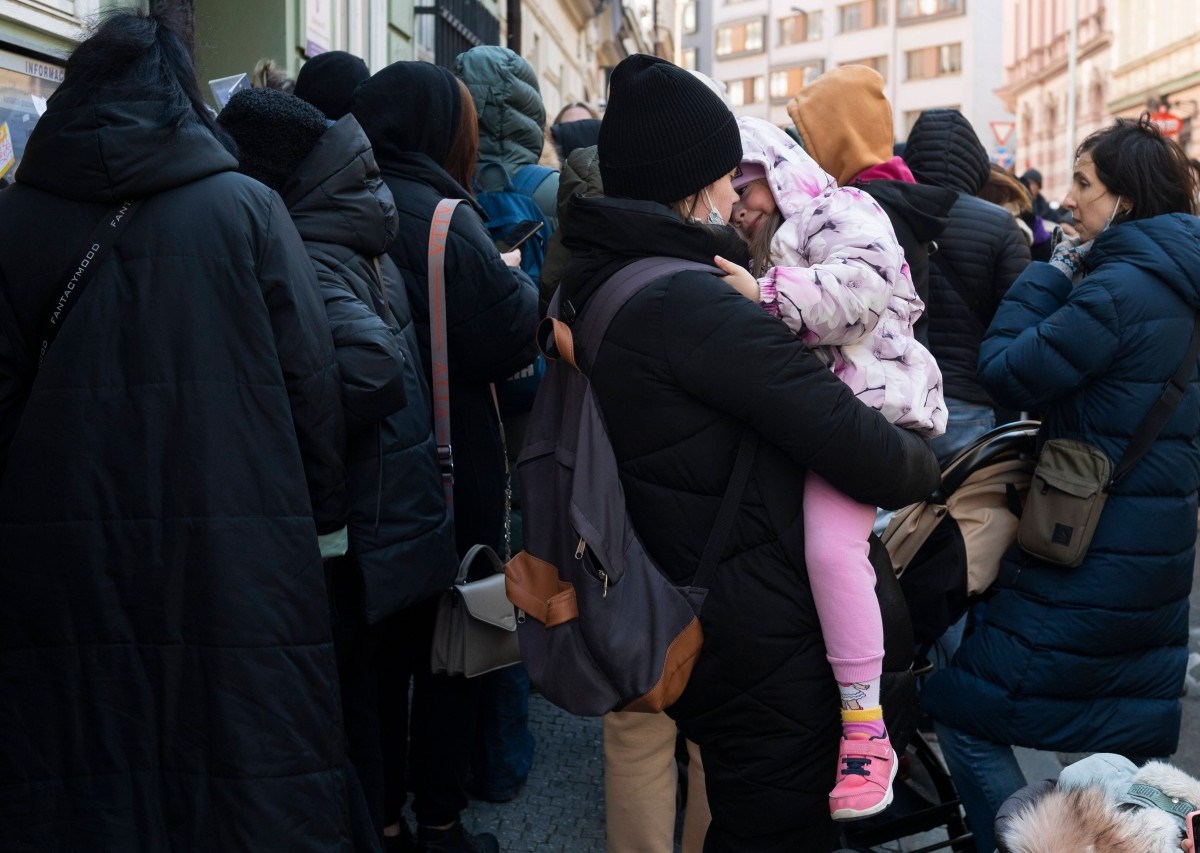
[(561, 806)]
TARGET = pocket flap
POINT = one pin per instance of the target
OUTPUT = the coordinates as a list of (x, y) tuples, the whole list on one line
[(1066, 483), (1074, 467), (486, 601)]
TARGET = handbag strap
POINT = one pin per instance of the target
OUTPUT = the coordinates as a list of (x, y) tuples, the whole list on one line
[(474, 553), (439, 232), (1147, 431), (91, 255)]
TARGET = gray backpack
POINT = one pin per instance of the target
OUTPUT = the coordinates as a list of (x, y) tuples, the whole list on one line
[(601, 627)]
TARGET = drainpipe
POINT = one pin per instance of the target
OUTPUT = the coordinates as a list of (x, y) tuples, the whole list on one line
[(1072, 78), (514, 26)]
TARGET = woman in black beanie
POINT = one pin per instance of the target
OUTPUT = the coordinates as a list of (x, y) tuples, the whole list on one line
[(687, 366), (491, 314)]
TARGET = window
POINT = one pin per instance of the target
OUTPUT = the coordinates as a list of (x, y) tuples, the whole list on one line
[(25, 84), (691, 21), (691, 58), (930, 62), (862, 15), (746, 37), (913, 9), (786, 82), (800, 28), (879, 63), (748, 90), (911, 116)]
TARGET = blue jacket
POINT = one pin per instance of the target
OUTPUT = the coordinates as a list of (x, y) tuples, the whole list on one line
[(1092, 659)]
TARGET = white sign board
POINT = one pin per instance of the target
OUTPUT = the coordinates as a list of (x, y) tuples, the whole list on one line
[(318, 26)]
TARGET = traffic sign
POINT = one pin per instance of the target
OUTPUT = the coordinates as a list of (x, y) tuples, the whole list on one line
[(1002, 130), (1167, 123)]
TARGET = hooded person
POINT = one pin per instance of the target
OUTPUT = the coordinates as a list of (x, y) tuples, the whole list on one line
[(980, 253), (845, 123), (327, 81), (344, 212), (671, 378), (512, 121), (491, 314), (170, 679)]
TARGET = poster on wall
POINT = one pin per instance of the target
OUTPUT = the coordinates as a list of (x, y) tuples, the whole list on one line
[(318, 30), (8, 157)]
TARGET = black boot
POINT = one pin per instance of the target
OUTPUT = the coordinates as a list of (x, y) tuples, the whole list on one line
[(455, 840)]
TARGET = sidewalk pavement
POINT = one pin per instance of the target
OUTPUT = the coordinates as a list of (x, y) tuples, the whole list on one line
[(561, 807)]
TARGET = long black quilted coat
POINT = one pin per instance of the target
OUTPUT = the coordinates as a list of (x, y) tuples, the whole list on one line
[(688, 365), (401, 536), (167, 678), (980, 252)]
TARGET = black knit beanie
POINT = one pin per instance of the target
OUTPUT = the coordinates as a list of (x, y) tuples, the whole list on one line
[(274, 131), (665, 135), (328, 80)]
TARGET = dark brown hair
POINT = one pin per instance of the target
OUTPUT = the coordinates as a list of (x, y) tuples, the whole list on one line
[(1135, 161), (1003, 189), (460, 161)]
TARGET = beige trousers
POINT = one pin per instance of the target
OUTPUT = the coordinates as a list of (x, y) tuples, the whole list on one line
[(640, 778)]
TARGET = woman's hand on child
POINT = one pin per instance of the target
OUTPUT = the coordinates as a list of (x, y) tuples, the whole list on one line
[(739, 278)]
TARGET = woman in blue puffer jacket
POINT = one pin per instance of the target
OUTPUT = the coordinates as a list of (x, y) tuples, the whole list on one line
[(1092, 659)]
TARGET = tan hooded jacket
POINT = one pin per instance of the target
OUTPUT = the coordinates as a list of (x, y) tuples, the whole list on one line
[(845, 121)]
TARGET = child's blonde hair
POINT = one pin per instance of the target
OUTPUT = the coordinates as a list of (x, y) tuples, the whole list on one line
[(760, 243)]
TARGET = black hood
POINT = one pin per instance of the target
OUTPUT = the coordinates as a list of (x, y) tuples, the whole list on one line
[(576, 134), (943, 150), (926, 209), (337, 196), (606, 234), (409, 107), (125, 149)]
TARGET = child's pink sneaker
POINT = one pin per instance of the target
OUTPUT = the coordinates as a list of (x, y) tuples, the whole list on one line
[(866, 767)]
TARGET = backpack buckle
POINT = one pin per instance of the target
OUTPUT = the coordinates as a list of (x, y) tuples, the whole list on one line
[(445, 453)]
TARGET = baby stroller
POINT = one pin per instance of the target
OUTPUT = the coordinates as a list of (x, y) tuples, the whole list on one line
[(945, 552)]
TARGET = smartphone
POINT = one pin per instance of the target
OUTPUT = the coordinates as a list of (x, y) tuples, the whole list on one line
[(518, 234), (1193, 828)]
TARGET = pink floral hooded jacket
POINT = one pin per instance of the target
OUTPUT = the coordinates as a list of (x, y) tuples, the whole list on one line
[(839, 280)]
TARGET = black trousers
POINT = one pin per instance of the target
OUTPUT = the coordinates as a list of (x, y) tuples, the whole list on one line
[(429, 742), (354, 644)]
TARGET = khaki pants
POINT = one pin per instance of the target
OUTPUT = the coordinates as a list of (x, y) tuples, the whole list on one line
[(640, 778)]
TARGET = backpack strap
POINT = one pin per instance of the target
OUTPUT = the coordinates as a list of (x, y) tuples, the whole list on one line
[(723, 525), (589, 332), (611, 297), (529, 178), (439, 233)]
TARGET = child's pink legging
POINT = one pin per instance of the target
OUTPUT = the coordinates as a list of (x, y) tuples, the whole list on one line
[(842, 580)]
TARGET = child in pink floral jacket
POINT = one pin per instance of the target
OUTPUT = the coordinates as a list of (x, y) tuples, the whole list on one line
[(829, 265)]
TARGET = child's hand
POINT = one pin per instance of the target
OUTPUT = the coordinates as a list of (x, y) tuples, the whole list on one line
[(512, 259), (739, 278)]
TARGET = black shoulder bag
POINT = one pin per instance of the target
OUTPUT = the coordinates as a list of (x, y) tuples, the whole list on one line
[(90, 256), (1072, 479)]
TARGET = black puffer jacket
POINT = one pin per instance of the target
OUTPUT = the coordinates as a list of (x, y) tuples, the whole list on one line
[(918, 215), (491, 309), (401, 537), (688, 365), (980, 252), (167, 678)]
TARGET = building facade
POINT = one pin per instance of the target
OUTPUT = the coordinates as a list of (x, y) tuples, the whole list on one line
[(572, 44), (931, 53), (1156, 67), (1036, 81)]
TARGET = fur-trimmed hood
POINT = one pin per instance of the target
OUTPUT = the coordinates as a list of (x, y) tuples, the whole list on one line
[(1103, 804)]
